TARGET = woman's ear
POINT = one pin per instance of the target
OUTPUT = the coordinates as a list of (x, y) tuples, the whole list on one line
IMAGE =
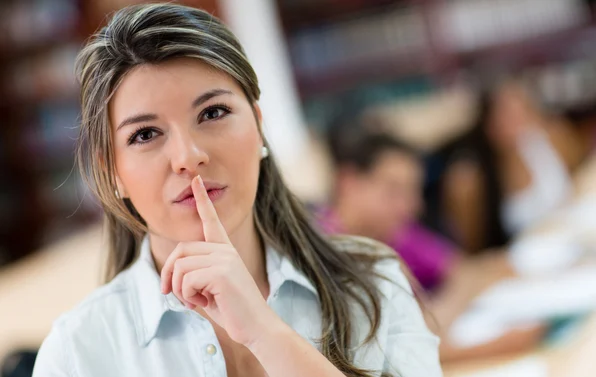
[(258, 112), (120, 190), (258, 116), (259, 119)]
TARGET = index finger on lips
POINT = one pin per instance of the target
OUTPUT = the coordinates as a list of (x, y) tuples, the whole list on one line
[(213, 229)]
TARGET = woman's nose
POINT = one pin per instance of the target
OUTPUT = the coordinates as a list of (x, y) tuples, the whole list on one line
[(187, 154)]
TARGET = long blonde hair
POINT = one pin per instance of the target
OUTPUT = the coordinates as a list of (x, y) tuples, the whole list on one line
[(150, 34)]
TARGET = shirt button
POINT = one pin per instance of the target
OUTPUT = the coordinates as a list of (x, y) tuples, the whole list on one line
[(211, 349)]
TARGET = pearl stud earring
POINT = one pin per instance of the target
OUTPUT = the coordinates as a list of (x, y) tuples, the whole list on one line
[(264, 152)]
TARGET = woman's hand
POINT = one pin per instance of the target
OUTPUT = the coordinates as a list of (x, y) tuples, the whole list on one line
[(212, 275)]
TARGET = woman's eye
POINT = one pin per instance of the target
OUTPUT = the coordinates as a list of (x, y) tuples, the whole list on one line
[(213, 113), (143, 136)]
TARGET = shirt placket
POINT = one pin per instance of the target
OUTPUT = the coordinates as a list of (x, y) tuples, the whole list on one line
[(208, 348)]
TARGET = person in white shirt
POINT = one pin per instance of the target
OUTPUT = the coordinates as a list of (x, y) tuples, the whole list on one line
[(214, 269), (510, 170)]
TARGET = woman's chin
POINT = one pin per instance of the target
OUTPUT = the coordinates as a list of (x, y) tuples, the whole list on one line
[(186, 233)]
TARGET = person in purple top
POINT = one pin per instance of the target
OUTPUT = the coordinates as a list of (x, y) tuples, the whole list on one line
[(377, 193)]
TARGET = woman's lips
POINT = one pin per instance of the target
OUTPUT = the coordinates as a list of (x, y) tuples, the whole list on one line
[(214, 194)]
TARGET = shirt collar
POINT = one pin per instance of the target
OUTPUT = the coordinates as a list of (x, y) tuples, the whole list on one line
[(281, 270), (149, 304)]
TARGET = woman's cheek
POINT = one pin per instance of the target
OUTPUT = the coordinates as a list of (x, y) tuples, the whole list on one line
[(142, 182)]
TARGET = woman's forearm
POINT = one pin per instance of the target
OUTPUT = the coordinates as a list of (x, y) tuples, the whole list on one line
[(284, 353)]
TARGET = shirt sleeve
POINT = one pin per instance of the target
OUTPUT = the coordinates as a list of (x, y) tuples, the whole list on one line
[(52, 359), (411, 350)]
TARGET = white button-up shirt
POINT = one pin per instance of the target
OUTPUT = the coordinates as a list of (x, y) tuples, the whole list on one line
[(129, 328)]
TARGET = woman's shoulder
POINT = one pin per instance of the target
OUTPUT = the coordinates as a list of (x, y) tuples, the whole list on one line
[(378, 257), (358, 245), (105, 303), (91, 333)]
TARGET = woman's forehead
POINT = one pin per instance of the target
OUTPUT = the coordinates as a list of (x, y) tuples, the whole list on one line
[(176, 75), (173, 83)]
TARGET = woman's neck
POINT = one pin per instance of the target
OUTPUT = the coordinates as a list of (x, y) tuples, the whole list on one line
[(245, 240)]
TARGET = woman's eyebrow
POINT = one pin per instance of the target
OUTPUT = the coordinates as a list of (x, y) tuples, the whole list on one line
[(197, 102), (208, 95), (137, 119)]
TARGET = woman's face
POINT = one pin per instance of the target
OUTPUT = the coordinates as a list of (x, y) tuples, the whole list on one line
[(388, 197), (173, 121), (512, 114)]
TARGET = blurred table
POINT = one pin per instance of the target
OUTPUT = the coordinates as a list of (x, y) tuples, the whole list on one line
[(36, 290), (574, 358)]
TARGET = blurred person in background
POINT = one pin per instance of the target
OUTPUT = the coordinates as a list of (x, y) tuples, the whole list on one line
[(377, 193), (214, 267), (511, 170)]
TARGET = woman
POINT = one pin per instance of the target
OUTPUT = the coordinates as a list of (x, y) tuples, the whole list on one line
[(510, 171), (215, 269)]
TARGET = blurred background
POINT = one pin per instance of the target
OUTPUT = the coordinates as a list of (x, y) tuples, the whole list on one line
[(459, 132)]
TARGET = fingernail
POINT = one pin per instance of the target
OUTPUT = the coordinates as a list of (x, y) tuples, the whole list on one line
[(200, 180)]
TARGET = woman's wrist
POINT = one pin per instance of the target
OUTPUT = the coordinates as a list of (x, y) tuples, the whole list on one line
[(269, 336), (283, 352)]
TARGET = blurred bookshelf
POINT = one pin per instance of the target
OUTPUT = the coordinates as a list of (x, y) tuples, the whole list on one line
[(38, 43), (42, 197), (352, 53)]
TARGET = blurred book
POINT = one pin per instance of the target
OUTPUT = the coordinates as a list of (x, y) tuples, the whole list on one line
[(473, 24)]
